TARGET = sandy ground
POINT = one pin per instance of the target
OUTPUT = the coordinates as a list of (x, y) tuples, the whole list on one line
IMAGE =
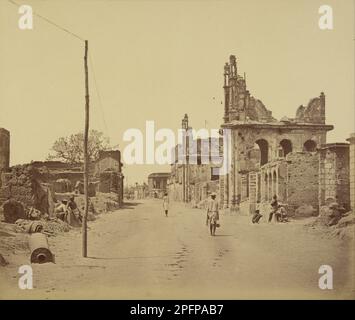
[(138, 253)]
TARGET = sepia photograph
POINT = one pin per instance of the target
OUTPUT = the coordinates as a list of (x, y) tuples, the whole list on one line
[(177, 150)]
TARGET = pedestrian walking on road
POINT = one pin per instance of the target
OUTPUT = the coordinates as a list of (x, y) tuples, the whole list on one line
[(212, 218), (166, 203)]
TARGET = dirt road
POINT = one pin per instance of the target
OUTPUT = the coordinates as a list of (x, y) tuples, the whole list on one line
[(137, 252)]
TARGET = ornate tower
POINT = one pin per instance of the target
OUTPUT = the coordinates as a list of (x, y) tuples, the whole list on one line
[(235, 94), (4, 149)]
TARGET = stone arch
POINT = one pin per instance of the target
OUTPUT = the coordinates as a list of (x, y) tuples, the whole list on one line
[(286, 146), (264, 150), (310, 146)]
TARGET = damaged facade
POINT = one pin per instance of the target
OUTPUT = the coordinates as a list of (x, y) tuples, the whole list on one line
[(288, 158), (271, 157), (108, 170), (351, 139), (192, 179)]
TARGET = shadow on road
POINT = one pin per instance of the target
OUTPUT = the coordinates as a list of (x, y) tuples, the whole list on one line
[(130, 205), (124, 258)]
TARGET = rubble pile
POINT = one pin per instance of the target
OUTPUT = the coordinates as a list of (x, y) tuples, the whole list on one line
[(23, 186), (101, 203), (329, 215), (12, 239), (13, 210), (345, 228), (305, 210), (49, 227), (55, 226), (338, 223)]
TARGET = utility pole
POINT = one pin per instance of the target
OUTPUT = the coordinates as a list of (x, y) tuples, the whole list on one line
[(86, 160)]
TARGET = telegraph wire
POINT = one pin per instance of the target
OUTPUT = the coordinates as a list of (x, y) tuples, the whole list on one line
[(50, 22), (98, 93), (90, 58)]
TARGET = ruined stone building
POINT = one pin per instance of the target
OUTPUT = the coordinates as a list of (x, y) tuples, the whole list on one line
[(289, 158), (40, 183), (194, 176), (352, 170), (269, 157), (108, 170)]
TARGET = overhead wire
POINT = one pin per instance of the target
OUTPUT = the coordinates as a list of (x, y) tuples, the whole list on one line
[(66, 30)]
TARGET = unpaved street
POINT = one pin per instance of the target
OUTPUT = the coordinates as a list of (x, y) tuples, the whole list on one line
[(137, 252)]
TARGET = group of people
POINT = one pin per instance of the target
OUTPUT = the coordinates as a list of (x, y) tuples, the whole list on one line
[(277, 209), (68, 211), (212, 217)]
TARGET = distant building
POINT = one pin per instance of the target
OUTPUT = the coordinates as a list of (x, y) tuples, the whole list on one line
[(194, 180), (108, 169), (137, 192), (157, 184), (108, 160)]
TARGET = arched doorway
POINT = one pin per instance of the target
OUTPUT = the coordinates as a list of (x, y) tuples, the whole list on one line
[(286, 146), (264, 150), (310, 146)]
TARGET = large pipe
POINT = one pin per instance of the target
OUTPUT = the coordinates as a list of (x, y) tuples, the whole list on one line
[(39, 248)]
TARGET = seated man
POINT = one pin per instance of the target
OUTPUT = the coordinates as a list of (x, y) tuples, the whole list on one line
[(61, 210), (257, 216), (281, 214), (274, 206)]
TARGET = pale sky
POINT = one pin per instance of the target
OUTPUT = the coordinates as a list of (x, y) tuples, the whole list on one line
[(156, 60)]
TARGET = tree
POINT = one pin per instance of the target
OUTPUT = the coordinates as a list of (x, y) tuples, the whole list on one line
[(71, 148)]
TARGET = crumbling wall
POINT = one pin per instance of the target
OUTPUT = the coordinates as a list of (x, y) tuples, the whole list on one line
[(334, 174), (302, 183), (111, 181), (108, 160), (352, 170), (23, 185), (108, 182), (314, 112)]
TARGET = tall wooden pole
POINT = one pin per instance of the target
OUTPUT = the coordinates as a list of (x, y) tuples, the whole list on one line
[(86, 160)]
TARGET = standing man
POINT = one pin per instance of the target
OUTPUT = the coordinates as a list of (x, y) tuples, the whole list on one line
[(73, 209), (212, 214), (166, 203)]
